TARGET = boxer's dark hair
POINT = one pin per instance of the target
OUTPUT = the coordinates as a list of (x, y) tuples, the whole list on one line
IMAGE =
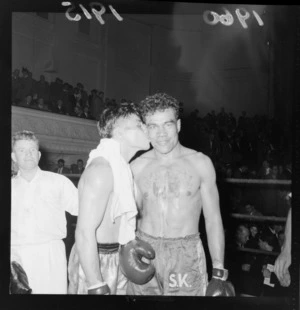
[(158, 102), (111, 114), (23, 135)]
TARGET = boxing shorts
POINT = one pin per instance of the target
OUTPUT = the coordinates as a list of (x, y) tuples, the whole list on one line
[(180, 267), (110, 271)]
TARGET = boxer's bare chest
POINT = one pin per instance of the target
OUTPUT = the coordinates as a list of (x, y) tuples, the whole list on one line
[(171, 182)]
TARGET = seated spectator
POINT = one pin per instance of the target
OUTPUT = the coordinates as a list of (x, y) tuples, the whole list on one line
[(27, 102), (41, 105), (228, 172), (249, 209), (241, 264), (107, 102), (264, 170), (241, 172), (77, 100), (78, 169), (61, 169), (253, 237), (59, 107), (83, 93), (269, 237), (273, 175), (242, 235), (86, 113), (78, 111)]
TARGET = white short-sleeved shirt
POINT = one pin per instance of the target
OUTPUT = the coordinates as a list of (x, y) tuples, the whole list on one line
[(38, 207)]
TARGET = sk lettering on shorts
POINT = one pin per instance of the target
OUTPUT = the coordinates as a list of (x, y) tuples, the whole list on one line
[(178, 280)]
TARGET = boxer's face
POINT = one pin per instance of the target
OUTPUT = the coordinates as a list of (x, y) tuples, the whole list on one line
[(133, 132), (163, 129), (26, 154)]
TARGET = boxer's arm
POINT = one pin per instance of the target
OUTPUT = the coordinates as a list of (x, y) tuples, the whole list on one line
[(283, 261), (94, 190), (211, 212)]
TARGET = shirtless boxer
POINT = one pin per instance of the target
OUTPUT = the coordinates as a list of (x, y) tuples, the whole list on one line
[(175, 184), (104, 189)]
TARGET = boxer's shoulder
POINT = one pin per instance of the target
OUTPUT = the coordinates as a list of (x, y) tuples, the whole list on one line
[(200, 162), (98, 163), (194, 156), (99, 169)]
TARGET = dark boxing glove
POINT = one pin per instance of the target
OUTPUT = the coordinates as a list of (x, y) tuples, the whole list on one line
[(218, 286), (99, 289), (18, 280), (132, 266)]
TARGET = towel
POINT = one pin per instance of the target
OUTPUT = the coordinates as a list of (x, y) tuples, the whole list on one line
[(123, 202)]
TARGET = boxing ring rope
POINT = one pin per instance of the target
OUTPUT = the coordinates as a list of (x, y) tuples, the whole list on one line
[(258, 218), (258, 181), (247, 217), (257, 251)]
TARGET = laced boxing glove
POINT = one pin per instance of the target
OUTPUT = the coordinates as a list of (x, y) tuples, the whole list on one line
[(99, 289), (218, 286), (18, 279), (132, 266)]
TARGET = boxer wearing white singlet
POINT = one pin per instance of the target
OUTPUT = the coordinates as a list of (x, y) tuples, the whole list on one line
[(175, 184)]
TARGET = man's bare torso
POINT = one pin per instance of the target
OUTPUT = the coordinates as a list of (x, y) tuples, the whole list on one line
[(171, 199)]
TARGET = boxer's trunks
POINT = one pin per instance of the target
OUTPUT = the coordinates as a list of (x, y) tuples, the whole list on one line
[(109, 264), (180, 267)]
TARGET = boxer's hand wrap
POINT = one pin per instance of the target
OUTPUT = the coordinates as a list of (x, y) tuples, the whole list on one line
[(218, 286), (99, 289), (131, 263)]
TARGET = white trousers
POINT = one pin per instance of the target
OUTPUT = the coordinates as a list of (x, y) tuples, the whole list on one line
[(45, 265)]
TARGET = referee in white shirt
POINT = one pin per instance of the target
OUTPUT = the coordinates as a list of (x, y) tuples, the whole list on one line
[(39, 200)]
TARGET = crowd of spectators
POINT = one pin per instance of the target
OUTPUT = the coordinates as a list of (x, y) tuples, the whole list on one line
[(77, 168), (58, 96), (254, 147), (241, 147), (251, 272)]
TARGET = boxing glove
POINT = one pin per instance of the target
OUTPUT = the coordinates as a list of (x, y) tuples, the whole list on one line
[(99, 289), (18, 279), (132, 266), (218, 286)]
